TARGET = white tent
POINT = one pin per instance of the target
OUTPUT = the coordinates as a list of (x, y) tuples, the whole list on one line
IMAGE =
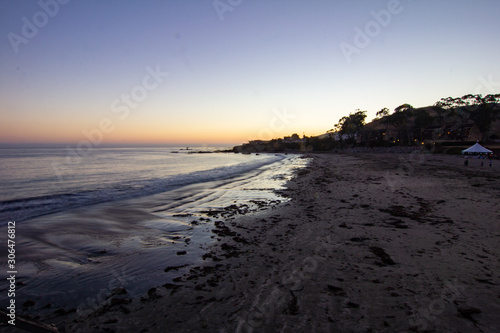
[(476, 149)]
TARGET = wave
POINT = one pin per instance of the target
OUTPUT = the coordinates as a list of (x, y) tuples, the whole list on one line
[(28, 208)]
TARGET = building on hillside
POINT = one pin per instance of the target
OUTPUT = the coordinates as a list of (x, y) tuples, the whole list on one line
[(258, 142), (294, 138)]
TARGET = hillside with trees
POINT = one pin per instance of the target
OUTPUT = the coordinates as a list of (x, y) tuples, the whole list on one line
[(461, 119), (450, 121)]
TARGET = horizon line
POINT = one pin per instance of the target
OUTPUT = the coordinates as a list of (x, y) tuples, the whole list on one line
[(72, 145)]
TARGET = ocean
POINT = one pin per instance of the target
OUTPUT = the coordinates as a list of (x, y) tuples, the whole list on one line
[(89, 223)]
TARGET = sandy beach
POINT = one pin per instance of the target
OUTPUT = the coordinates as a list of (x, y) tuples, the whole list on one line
[(367, 243)]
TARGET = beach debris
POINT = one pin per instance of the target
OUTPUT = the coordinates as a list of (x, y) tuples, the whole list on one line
[(182, 215), (113, 302), (344, 225), (359, 239), (119, 301), (181, 253), (230, 250), (211, 255), (239, 239), (212, 213), (222, 230), (380, 252), (398, 211), (174, 268), (337, 291), (421, 215), (152, 295), (467, 313), (397, 223), (486, 281), (352, 305), (171, 286), (117, 291)]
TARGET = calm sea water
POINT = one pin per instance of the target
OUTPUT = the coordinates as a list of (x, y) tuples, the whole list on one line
[(118, 217), (39, 181)]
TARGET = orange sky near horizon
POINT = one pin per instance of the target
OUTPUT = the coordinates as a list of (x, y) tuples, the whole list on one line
[(112, 131), (56, 133)]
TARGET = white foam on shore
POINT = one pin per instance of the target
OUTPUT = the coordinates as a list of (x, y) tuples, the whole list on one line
[(31, 207)]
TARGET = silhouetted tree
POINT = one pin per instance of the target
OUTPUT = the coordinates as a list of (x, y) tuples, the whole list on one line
[(400, 119), (382, 113), (482, 110), (407, 108), (351, 124), (484, 113)]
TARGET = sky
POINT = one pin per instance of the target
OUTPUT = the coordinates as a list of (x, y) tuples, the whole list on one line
[(228, 71)]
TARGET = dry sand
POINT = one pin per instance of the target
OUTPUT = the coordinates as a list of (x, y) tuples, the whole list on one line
[(368, 243)]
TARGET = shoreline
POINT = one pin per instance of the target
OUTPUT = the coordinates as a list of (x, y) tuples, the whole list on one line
[(385, 242), (76, 261)]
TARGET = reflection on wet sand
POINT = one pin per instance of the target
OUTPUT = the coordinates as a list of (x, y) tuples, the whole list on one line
[(76, 260)]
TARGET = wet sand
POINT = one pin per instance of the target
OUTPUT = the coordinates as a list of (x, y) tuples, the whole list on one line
[(368, 243), (73, 261)]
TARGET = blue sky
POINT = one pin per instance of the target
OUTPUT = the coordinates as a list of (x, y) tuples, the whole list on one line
[(266, 69)]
